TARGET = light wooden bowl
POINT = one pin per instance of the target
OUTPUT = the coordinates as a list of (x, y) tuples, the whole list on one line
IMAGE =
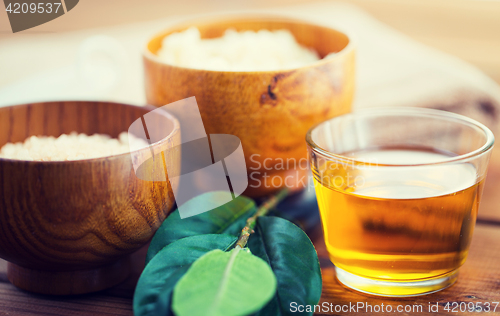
[(270, 111), (67, 227)]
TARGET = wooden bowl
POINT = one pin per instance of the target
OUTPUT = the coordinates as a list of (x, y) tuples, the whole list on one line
[(270, 111), (67, 227)]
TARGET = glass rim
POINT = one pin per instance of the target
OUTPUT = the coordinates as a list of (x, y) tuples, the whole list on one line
[(389, 111)]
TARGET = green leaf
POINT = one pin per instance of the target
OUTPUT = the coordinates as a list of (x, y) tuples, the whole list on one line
[(153, 292), (291, 255), (224, 284), (228, 219)]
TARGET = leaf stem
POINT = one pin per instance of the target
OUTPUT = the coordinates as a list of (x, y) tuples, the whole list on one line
[(263, 210)]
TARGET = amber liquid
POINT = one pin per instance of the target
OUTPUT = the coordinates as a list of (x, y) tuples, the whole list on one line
[(397, 224)]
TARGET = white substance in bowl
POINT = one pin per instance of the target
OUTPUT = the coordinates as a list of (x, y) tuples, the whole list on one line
[(236, 51), (69, 147)]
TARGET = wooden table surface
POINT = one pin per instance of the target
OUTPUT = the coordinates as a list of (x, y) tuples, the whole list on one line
[(466, 28), (479, 281)]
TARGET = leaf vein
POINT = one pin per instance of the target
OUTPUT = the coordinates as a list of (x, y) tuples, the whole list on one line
[(224, 281)]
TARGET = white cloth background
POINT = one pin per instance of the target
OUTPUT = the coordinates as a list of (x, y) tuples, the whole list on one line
[(106, 64)]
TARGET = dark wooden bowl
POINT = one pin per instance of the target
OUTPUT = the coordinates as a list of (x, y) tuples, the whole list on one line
[(67, 227), (270, 111)]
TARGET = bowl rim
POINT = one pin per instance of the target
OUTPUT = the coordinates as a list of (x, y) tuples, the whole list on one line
[(176, 129), (249, 17)]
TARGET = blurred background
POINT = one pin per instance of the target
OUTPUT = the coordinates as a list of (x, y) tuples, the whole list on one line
[(468, 29)]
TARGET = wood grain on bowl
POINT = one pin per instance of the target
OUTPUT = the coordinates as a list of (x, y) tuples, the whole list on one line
[(270, 111), (67, 227)]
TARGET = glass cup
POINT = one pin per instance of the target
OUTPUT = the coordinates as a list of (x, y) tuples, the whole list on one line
[(398, 192)]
